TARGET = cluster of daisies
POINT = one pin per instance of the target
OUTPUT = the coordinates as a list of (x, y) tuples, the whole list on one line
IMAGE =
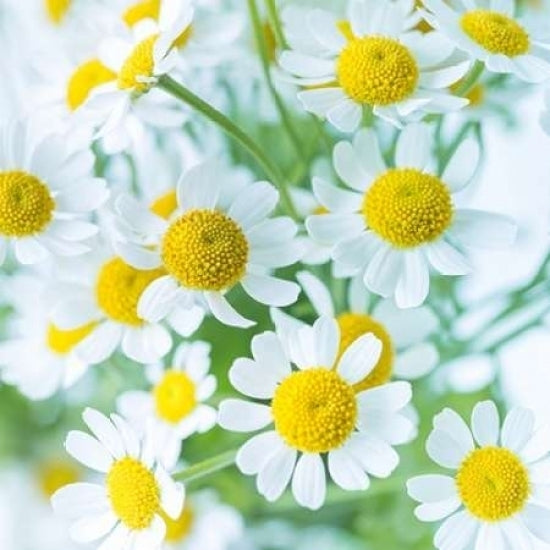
[(125, 223)]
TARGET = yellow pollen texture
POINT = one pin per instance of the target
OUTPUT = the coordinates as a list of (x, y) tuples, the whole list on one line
[(85, 78), (54, 475), (63, 341), (178, 529), (175, 396), (354, 325), (314, 410), (493, 483), (146, 9), (133, 492), (377, 71), (165, 205), (26, 206), (496, 32), (139, 63), (57, 10), (205, 250), (408, 208), (119, 288)]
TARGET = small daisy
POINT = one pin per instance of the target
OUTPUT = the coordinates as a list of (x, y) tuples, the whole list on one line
[(206, 250), (395, 222), (492, 35), (126, 510), (46, 187), (175, 402), (374, 60), (497, 498), (317, 412)]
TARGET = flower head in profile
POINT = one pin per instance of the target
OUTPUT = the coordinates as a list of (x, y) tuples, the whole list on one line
[(126, 509), (495, 498), (489, 32), (375, 60), (395, 222), (207, 248), (175, 403), (316, 411)]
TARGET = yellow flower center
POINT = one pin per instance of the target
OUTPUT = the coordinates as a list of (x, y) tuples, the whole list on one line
[(133, 492), (205, 250), (85, 78), (178, 529), (314, 410), (26, 206), (377, 71), (175, 396), (496, 32), (57, 10), (407, 207), (165, 205), (146, 9), (119, 288), (493, 483), (54, 475), (139, 63), (63, 341), (354, 325)]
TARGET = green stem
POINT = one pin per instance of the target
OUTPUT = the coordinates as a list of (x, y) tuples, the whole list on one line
[(470, 79), (207, 467), (276, 25), (182, 93)]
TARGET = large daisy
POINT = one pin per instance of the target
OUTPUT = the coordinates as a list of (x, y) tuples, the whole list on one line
[(490, 32), (497, 498), (374, 60), (175, 403), (395, 222), (46, 189), (126, 509), (317, 412), (206, 250)]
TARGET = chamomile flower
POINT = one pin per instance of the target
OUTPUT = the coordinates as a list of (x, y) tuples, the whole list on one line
[(374, 60), (395, 222), (317, 412), (175, 403), (207, 249), (46, 187), (126, 509), (496, 498), (489, 32)]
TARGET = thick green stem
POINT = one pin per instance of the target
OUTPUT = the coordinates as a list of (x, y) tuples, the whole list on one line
[(182, 93), (207, 467)]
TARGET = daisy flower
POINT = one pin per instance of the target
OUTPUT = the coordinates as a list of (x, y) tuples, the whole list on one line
[(175, 404), (126, 509), (206, 250), (317, 412), (496, 498), (395, 222), (490, 33), (374, 60), (46, 187)]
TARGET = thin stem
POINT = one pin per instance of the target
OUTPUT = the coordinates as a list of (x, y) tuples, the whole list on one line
[(276, 25), (470, 79), (182, 93), (207, 467)]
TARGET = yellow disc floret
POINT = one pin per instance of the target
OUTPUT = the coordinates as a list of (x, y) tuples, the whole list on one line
[(408, 208), (57, 10), (314, 410), (26, 205), (85, 78), (145, 9), (165, 205), (175, 396), (495, 32), (133, 492), (178, 529), (119, 288), (493, 483), (140, 63), (63, 341), (377, 71), (56, 474), (354, 325), (205, 250)]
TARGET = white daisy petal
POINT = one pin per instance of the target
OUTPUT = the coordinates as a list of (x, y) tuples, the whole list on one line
[(268, 351), (345, 116), (105, 432), (367, 149), (92, 528), (517, 429), (256, 452), (118, 539), (360, 358), (199, 187), (270, 290), (309, 481), (435, 511), (151, 537), (317, 293), (100, 344), (321, 101), (275, 474), (385, 271), (346, 472), (138, 216), (489, 536), (452, 423), (254, 379), (416, 361), (414, 147), (537, 520), (326, 335), (254, 205), (88, 450), (238, 415), (333, 228), (463, 165), (349, 166), (79, 500), (446, 259), (413, 285), (431, 488), (375, 455), (486, 424), (172, 494), (443, 449), (157, 299), (456, 533), (306, 65), (391, 397), (136, 256), (481, 229), (224, 311), (334, 198)]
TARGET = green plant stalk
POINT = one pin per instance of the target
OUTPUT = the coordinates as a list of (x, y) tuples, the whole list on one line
[(169, 85), (207, 467), (470, 80), (276, 25)]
